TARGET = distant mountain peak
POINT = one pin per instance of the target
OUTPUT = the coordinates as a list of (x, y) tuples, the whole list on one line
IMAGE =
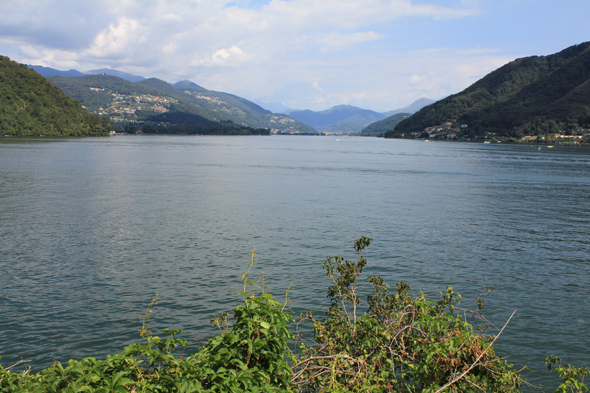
[(120, 74), (413, 107), (338, 116), (47, 71), (186, 83)]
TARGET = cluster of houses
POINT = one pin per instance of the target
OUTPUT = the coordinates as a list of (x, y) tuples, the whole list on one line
[(214, 100), (445, 131), (287, 125), (123, 105), (531, 138)]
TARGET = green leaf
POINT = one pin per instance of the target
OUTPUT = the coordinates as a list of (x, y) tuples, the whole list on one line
[(265, 325)]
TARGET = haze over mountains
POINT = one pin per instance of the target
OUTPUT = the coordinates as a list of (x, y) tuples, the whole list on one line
[(350, 119), (529, 96), (47, 71), (412, 108), (339, 119)]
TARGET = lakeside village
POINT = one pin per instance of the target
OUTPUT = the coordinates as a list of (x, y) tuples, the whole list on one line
[(463, 133), (124, 109), (123, 105)]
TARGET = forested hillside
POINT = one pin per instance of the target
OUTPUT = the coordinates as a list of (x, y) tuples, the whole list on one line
[(30, 105), (529, 96), (386, 124)]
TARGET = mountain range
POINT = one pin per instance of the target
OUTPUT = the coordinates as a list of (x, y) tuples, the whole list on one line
[(122, 100), (47, 71), (212, 106), (533, 95), (350, 119)]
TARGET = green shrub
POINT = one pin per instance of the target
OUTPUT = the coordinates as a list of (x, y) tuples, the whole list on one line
[(403, 343)]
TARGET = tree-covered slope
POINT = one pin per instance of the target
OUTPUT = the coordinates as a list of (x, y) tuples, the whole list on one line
[(387, 124), (343, 127), (30, 105), (529, 96)]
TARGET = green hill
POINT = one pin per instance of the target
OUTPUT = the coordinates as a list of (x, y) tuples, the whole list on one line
[(387, 124), (343, 127), (530, 96), (30, 105), (145, 100)]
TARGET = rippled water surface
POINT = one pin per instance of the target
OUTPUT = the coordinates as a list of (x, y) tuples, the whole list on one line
[(91, 229)]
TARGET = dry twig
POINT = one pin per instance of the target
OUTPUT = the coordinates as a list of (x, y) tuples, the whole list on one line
[(478, 358)]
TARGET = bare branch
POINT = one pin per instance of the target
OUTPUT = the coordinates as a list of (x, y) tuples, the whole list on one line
[(17, 363), (478, 358)]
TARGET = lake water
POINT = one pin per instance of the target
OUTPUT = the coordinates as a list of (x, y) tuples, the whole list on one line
[(92, 229)]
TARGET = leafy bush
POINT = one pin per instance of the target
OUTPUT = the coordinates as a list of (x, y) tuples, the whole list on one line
[(403, 343), (572, 378)]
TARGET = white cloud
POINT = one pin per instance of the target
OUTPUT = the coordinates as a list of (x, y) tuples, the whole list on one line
[(278, 51), (118, 38), (227, 56), (338, 41)]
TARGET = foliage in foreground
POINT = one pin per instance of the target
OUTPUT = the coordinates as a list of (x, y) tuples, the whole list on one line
[(402, 343)]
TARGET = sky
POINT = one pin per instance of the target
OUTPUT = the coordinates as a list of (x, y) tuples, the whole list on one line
[(305, 54)]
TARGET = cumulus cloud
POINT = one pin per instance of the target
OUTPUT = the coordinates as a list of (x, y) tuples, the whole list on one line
[(228, 56), (277, 50)]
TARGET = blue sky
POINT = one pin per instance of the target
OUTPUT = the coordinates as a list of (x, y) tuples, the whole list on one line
[(306, 54)]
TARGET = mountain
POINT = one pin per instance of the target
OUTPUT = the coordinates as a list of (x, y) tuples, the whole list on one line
[(120, 74), (382, 126), (188, 84), (30, 105), (351, 115), (123, 100), (412, 108), (46, 71), (343, 127), (225, 106), (534, 95)]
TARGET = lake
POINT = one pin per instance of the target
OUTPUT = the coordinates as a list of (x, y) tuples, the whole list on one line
[(91, 229)]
